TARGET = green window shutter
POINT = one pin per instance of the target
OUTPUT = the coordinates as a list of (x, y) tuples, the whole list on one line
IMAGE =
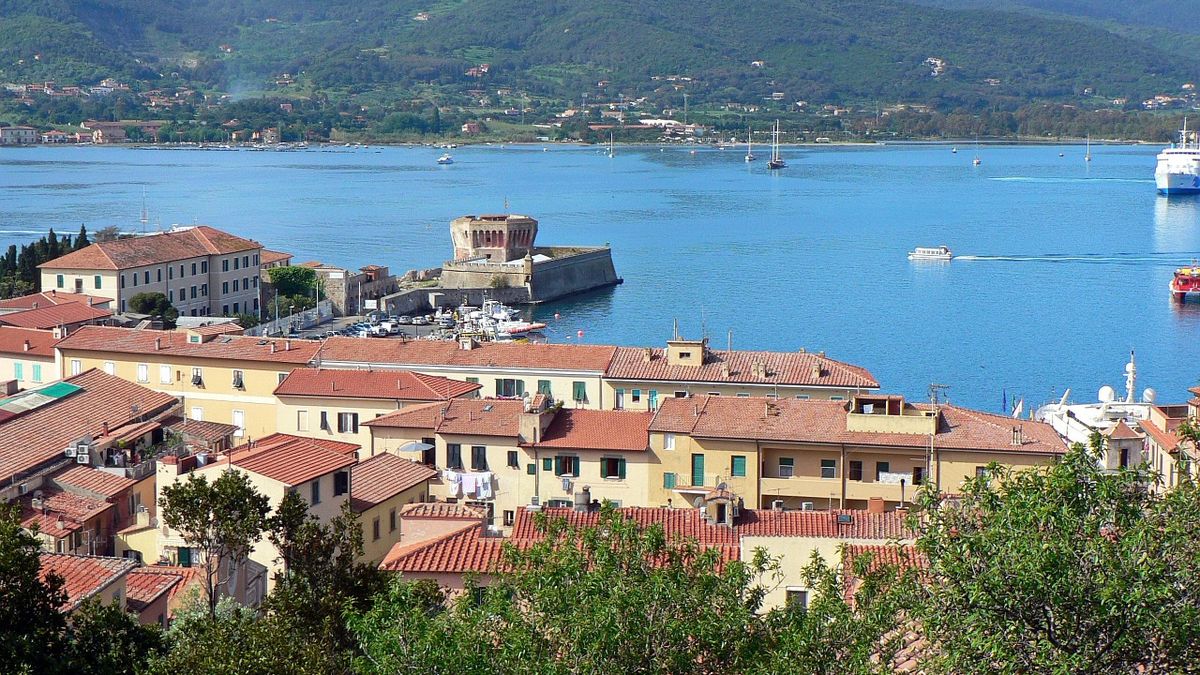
[(499, 387), (531, 469), (18, 371), (579, 391), (520, 387), (575, 468), (473, 380), (669, 480), (739, 465), (544, 387), (621, 469), (558, 466), (547, 464)]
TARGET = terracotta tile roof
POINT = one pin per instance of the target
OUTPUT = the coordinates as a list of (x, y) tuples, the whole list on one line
[(41, 342), (84, 575), (788, 368), (62, 512), (222, 328), (482, 417), (1121, 432), (291, 460), (93, 480), (186, 576), (50, 298), (442, 511), (398, 385), (901, 556), (379, 478), (268, 256), (153, 249), (424, 416), (800, 421), (38, 436), (143, 586), (401, 549), (1165, 439), (210, 432), (514, 355), (459, 551), (55, 315), (617, 430), (175, 343)]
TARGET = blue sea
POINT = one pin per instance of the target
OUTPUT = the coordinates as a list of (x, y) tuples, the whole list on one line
[(1061, 266)]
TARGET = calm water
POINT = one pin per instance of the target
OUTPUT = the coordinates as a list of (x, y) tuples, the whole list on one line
[(1065, 265)]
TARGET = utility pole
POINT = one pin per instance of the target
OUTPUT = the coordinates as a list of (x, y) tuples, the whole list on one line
[(685, 109), (934, 390)]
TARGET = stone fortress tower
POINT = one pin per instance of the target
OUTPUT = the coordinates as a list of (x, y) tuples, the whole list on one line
[(495, 238)]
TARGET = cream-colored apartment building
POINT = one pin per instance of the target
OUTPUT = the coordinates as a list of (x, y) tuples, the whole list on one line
[(202, 271)]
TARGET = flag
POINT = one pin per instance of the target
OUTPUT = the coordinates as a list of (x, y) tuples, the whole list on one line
[(1004, 401)]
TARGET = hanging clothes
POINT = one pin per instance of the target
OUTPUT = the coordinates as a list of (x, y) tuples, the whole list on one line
[(468, 483), (484, 489), (453, 482)]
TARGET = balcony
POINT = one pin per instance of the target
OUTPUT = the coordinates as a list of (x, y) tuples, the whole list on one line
[(809, 488)]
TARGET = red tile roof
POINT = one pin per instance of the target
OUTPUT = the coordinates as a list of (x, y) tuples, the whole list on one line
[(175, 343), (49, 298), (268, 256), (222, 328), (153, 249), (291, 460), (785, 368), (206, 431), (617, 430), (398, 385), (84, 575), (423, 416), (379, 478), (416, 353), (93, 480), (442, 511), (464, 550), (41, 342), (1165, 439), (40, 435), (61, 513), (144, 585), (55, 315), (1121, 432), (482, 417), (186, 577), (800, 421)]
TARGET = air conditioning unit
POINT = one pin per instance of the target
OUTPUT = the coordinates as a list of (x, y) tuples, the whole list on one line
[(23, 488), (777, 505), (535, 501), (806, 506), (82, 459), (70, 451)]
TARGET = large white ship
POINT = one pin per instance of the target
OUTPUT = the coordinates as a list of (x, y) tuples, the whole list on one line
[(1178, 170)]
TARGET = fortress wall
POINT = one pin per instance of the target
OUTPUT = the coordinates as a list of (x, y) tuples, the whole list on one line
[(573, 274)]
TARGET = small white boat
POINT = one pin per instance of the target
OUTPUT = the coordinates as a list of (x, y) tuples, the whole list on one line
[(445, 159), (930, 253), (749, 147)]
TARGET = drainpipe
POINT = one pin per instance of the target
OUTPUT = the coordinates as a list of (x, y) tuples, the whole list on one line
[(844, 466)]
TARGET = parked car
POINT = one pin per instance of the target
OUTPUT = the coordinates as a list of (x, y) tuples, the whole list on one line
[(404, 319), (420, 321)]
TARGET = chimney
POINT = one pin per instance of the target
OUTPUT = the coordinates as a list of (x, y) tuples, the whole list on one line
[(724, 369), (104, 428), (647, 355), (287, 345), (34, 305), (53, 293), (876, 505), (272, 347), (695, 409), (157, 344), (821, 353), (1016, 436), (27, 345), (816, 370)]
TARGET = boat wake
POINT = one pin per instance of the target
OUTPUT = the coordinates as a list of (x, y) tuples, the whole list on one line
[(1053, 180), (1172, 259)]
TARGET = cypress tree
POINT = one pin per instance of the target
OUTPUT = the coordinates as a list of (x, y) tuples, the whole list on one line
[(82, 240)]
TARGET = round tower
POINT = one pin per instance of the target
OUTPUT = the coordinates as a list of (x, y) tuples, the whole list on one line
[(497, 238)]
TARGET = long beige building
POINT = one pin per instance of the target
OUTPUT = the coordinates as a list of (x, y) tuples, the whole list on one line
[(202, 271)]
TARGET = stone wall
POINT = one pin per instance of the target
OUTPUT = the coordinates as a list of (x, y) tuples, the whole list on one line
[(570, 272), (418, 300)]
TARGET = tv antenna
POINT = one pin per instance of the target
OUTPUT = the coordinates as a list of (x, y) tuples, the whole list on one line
[(934, 390)]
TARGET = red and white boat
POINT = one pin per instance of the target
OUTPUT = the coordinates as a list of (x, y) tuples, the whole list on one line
[(1187, 280)]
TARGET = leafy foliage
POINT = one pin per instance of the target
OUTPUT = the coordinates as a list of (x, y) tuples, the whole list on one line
[(154, 304), (293, 279), (32, 630)]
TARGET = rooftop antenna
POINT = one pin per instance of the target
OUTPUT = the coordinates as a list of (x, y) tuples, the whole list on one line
[(506, 203), (934, 390), (729, 348), (676, 329), (145, 216)]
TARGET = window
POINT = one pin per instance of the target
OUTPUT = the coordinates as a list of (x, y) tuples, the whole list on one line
[(235, 285), (198, 414), (197, 377), (193, 292), (510, 388), (239, 421), (454, 456), (685, 355), (37, 372), (918, 475), (882, 468), (802, 397), (301, 420), (1124, 457), (669, 481), (714, 393), (668, 441), (245, 261), (829, 468), (180, 270), (316, 491), (697, 470), (742, 394), (76, 367), (509, 518), (171, 273), (738, 469), (239, 381), (531, 469), (164, 374), (256, 259), (224, 287), (110, 368), (97, 282), (652, 399), (612, 467), (620, 400), (579, 391), (787, 466), (194, 339), (544, 387), (797, 598), (158, 275), (392, 520), (429, 454), (347, 423), (375, 529), (513, 460), (981, 472), (479, 458), (837, 398), (203, 291), (146, 276), (473, 380), (171, 295), (566, 465), (255, 281), (134, 276), (122, 281), (341, 483), (224, 310), (681, 394), (856, 467), (635, 395), (325, 421), (61, 282), (204, 266), (547, 464)]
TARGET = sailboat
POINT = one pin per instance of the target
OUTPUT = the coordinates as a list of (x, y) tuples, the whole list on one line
[(776, 161), (611, 153), (1087, 153), (749, 147), (976, 161)]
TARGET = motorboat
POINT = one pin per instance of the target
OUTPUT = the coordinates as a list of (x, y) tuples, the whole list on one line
[(445, 159), (930, 253)]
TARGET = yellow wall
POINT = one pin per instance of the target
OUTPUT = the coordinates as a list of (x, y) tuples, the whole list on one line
[(953, 467), (718, 467), (108, 283), (390, 439), (561, 386), (667, 390), (292, 410), (216, 401), (45, 368), (143, 540), (374, 549)]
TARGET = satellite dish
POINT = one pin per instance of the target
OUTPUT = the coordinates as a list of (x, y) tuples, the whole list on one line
[(1149, 395), (698, 503), (1107, 394), (722, 487)]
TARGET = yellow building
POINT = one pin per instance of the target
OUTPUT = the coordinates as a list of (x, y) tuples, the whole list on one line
[(1169, 455), (327, 403), (27, 356), (382, 486), (828, 455), (218, 376)]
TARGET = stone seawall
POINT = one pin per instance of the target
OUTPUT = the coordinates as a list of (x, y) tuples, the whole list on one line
[(571, 270), (423, 300), (570, 274)]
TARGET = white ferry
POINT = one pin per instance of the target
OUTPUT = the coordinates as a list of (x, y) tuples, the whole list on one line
[(1178, 169), (930, 253)]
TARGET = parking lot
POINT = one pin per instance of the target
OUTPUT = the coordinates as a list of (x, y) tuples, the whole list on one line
[(352, 325)]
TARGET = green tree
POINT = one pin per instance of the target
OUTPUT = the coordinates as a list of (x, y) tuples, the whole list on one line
[(154, 304), (222, 520), (109, 233), (293, 280), (107, 640), (81, 240), (32, 629), (1062, 569)]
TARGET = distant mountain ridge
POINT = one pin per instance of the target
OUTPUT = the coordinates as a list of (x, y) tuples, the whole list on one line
[(941, 52)]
